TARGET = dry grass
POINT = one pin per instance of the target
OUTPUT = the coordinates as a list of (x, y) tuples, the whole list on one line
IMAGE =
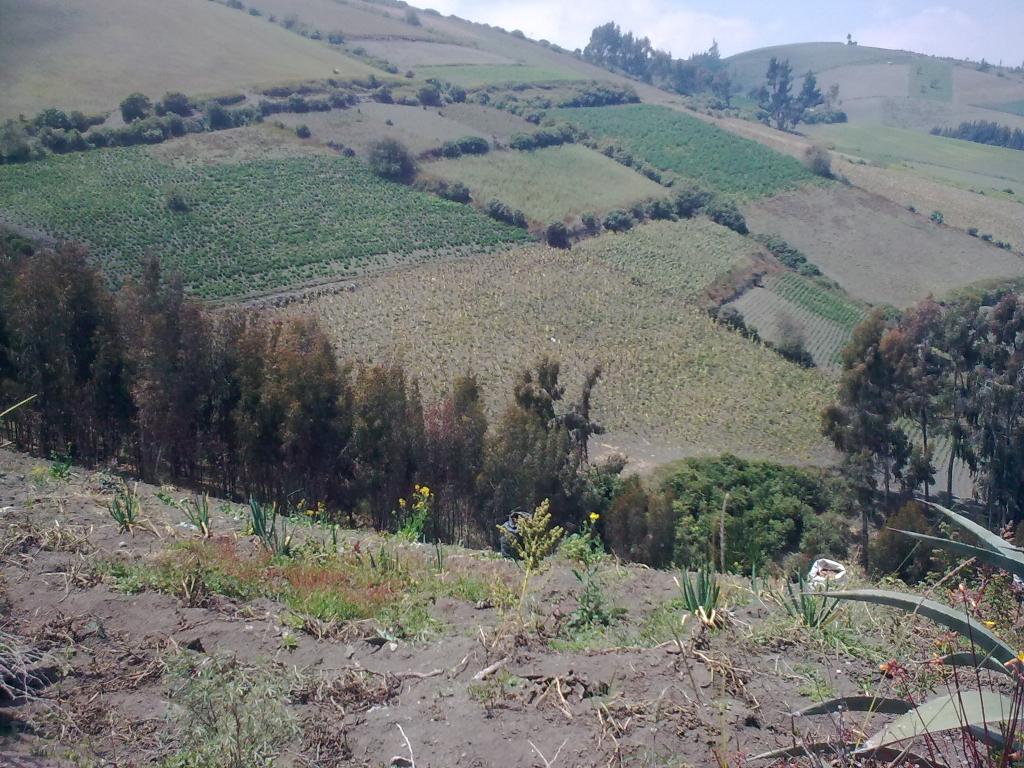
[(671, 374), (92, 55)]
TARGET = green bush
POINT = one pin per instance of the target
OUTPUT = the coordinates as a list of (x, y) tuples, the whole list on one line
[(557, 235), (728, 215), (691, 200), (618, 221), (135, 107), (390, 159)]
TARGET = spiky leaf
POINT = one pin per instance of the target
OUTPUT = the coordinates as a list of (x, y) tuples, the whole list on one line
[(859, 704), (958, 621), (985, 536), (1006, 559), (831, 749), (974, 660), (948, 712)]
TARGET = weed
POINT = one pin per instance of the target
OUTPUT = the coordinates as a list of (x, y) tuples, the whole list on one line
[(264, 522), (231, 714), (197, 510)]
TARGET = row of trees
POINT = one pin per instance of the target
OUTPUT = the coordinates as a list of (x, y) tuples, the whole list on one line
[(952, 371), (241, 405), (611, 48), (985, 132)]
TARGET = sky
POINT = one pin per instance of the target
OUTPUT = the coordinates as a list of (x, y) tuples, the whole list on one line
[(993, 29)]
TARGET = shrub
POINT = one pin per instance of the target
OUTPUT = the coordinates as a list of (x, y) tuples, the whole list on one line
[(728, 215), (590, 223), (937, 217), (336, 37), (557, 235), (791, 344), (390, 159), (500, 211), (135, 107), (894, 554), (451, 149), (473, 145), (176, 103), (691, 200), (659, 208), (302, 131), (618, 221), (411, 18), (430, 95), (176, 201), (14, 144), (818, 161)]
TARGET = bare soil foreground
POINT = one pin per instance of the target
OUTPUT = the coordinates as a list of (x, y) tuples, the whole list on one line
[(139, 643), (877, 251)]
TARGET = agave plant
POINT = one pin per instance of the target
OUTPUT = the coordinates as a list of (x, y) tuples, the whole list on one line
[(991, 717), (264, 524), (802, 604), (701, 593)]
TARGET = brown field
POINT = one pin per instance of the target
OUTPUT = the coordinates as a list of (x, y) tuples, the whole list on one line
[(195, 46), (495, 123), (419, 129), (672, 376), (1002, 218), (875, 250)]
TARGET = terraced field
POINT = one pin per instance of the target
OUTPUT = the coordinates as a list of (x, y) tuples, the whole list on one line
[(151, 46), (420, 130), (672, 376), (878, 252), (682, 258), (250, 226), (824, 318), (693, 149), (962, 163), (549, 184), (479, 75)]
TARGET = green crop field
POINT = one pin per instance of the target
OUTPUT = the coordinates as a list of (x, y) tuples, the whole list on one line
[(829, 303), (672, 376), (479, 75), (931, 79), (683, 257), (962, 162), (91, 54), (693, 149), (549, 184), (251, 226)]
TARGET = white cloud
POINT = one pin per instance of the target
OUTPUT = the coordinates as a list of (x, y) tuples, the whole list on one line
[(677, 29), (938, 30)]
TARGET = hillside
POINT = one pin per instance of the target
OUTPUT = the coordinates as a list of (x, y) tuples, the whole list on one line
[(895, 88), (92, 55)]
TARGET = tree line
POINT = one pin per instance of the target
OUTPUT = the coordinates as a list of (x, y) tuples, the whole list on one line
[(952, 371), (147, 381), (984, 132), (611, 48)]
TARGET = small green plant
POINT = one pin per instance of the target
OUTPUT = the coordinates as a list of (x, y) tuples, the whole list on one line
[(60, 468), (701, 593), (937, 217), (125, 506), (802, 604), (197, 510), (591, 605), (264, 524)]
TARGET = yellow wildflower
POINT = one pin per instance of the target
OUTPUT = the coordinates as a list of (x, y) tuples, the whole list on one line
[(424, 490), (401, 503), (594, 517), (989, 624)]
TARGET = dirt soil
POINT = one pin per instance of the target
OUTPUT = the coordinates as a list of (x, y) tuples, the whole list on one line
[(875, 250), (483, 690)]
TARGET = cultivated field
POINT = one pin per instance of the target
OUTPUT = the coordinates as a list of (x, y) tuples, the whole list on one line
[(419, 129), (354, 20), (1001, 217), (770, 314), (681, 258), (963, 163), (195, 46), (410, 54), (672, 376), (875, 250), (549, 184), (693, 149), (748, 68), (251, 226), (495, 123), (479, 75), (931, 79)]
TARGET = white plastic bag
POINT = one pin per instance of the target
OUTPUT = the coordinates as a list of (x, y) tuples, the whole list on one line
[(827, 574)]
